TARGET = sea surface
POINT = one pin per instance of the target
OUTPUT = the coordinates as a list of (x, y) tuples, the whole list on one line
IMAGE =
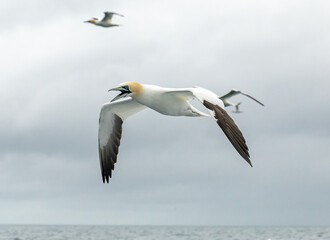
[(85, 232)]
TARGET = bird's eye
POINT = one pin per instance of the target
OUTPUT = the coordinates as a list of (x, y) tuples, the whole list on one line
[(126, 88)]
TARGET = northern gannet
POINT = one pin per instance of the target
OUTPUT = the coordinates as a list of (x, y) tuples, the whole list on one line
[(236, 105), (106, 21), (232, 93), (135, 97)]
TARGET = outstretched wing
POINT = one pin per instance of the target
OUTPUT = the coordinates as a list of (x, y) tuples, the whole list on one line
[(111, 119), (230, 129), (230, 94), (216, 107), (108, 16), (234, 92), (252, 98)]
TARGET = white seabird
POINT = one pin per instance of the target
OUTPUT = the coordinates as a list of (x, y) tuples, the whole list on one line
[(236, 105), (135, 97), (232, 93), (106, 21)]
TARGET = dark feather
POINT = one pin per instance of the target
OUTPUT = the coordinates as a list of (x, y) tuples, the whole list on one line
[(108, 154), (230, 129)]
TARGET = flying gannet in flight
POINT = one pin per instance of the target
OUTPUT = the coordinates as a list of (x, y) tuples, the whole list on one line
[(135, 97), (106, 21), (232, 93)]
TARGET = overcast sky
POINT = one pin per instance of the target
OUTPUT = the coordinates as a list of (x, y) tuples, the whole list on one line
[(55, 71)]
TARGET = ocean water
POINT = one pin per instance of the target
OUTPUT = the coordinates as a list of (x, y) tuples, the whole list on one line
[(58, 232)]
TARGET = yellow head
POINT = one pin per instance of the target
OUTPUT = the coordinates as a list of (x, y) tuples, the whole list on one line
[(134, 87), (93, 20), (127, 89)]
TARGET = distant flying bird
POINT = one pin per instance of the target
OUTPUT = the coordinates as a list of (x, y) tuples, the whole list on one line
[(135, 97), (232, 93), (237, 108), (106, 21)]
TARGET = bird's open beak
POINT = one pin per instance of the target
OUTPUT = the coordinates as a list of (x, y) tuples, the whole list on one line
[(123, 93)]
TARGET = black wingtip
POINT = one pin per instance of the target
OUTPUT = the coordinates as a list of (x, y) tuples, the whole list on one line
[(105, 178), (248, 161)]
